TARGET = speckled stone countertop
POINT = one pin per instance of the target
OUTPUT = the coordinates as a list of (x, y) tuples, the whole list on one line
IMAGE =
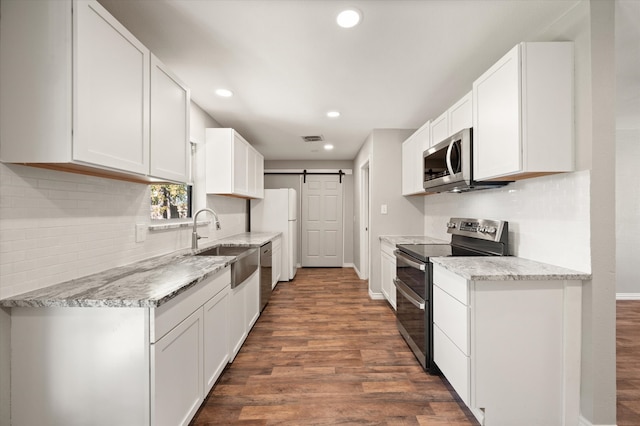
[(148, 283), (417, 239), (506, 268)]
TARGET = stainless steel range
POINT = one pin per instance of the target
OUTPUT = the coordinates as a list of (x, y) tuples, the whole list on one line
[(414, 284)]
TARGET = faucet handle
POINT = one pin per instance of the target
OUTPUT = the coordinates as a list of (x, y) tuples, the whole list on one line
[(199, 237)]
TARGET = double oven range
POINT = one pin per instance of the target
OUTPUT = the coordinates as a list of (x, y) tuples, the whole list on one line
[(414, 282)]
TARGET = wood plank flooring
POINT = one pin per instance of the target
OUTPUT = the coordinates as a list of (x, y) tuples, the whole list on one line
[(628, 362), (324, 353)]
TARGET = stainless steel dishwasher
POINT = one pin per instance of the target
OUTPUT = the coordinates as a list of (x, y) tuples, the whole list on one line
[(265, 274)]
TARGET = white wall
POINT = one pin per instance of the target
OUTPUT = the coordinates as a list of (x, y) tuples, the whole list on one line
[(627, 213), (383, 150), (627, 149)]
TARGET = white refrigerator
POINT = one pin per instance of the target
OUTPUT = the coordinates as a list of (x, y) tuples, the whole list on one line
[(277, 212)]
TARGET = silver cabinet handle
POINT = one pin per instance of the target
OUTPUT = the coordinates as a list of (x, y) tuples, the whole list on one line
[(418, 303)]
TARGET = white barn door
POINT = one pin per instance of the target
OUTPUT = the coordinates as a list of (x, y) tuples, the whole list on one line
[(322, 221)]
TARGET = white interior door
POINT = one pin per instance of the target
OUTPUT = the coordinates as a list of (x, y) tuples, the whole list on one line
[(322, 230)]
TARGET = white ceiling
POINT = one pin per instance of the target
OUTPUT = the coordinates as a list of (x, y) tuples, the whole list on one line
[(289, 63)]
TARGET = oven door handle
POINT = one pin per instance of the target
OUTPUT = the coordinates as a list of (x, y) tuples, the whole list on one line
[(409, 261), (400, 286)]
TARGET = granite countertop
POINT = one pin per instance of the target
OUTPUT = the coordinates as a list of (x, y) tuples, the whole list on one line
[(416, 239), (506, 268), (148, 283)]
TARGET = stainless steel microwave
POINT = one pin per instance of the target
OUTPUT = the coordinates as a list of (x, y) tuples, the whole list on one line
[(448, 166)]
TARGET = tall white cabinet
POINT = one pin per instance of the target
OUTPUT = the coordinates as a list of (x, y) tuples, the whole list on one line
[(523, 122), (77, 91)]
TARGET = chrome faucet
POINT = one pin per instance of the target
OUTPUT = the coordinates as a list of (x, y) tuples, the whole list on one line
[(194, 236)]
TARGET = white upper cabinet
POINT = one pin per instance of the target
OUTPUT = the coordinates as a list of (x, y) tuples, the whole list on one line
[(111, 92), (439, 128), (459, 116), (412, 150), (523, 113), (80, 99), (233, 166), (169, 124)]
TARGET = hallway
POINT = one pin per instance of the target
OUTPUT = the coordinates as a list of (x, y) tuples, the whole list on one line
[(324, 353)]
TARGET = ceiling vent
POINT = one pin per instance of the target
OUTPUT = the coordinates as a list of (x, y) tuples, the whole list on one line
[(313, 138)]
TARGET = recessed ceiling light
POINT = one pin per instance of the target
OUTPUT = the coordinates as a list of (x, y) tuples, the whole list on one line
[(349, 18), (225, 93), (328, 147), (333, 114)]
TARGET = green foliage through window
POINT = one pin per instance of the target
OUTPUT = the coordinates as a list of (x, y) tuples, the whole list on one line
[(170, 201)]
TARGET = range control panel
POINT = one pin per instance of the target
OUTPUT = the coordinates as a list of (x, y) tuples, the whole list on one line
[(485, 229)]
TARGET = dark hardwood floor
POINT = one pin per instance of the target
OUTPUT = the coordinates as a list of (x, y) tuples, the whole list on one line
[(628, 362), (324, 353)]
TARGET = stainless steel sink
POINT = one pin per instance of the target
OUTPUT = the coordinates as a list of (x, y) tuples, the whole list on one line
[(245, 263)]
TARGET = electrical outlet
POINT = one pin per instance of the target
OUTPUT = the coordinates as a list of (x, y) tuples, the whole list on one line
[(141, 232)]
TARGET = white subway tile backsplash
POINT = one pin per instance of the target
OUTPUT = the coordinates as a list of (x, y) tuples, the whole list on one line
[(548, 216), (57, 226)]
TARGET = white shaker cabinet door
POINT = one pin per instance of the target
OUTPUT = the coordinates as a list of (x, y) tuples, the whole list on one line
[(216, 337), (496, 137), (177, 366), (237, 321), (111, 86), (461, 114), (169, 125), (440, 128), (240, 166)]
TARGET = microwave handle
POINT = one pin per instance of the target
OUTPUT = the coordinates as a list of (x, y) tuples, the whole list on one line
[(449, 166)]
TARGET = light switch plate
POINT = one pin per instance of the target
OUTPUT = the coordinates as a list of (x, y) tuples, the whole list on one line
[(383, 209), (141, 232)]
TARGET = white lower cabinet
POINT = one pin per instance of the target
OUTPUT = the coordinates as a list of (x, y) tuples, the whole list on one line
[(388, 272), (216, 338), (176, 378), (119, 365), (244, 310), (276, 261), (504, 347)]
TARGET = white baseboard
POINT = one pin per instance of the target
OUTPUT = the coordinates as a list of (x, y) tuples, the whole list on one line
[(348, 265), (376, 296), (627, 296), (584, 422), (360, 274)]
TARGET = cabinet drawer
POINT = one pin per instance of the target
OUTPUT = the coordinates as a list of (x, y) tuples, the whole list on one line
[(452, 317), (169, 315), (388, 248), (453, 363), (451, 283)]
